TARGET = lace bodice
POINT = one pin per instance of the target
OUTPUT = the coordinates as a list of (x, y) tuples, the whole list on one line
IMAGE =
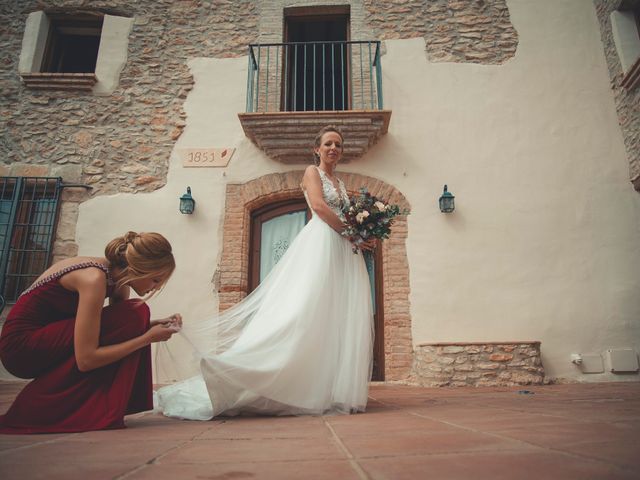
[(336, 199)]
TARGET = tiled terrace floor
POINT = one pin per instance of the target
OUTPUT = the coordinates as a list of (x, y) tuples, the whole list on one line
[(557, 432)]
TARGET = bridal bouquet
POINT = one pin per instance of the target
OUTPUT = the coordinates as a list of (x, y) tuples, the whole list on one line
[(367, 217)]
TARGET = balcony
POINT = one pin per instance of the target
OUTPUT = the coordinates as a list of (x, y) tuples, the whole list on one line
[(294, 89)]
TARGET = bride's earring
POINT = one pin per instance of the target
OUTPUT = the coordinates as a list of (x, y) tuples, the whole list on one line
[(316, 158)]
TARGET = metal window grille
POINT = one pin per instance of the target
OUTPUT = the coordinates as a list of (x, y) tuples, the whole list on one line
[(28, 212)]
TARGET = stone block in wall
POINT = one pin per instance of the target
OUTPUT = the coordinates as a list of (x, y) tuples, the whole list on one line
[(66, 230), (27, 170), (74, 194), (64, 249), (68, 173), (478, 364)]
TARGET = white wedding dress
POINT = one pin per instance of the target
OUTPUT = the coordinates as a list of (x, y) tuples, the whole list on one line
[(301, 343)]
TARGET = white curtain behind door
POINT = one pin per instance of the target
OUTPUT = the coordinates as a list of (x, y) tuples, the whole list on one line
[(277, 234)]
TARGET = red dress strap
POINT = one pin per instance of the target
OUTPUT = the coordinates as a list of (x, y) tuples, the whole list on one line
[(65, 270)]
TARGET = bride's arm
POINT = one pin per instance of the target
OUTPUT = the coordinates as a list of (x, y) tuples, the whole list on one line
[(313, 185)]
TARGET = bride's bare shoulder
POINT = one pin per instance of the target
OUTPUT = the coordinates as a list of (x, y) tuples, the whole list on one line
[(311, 170), (311, 175)]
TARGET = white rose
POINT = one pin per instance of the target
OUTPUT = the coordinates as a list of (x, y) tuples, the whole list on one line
[(361, 216), (380, 206)]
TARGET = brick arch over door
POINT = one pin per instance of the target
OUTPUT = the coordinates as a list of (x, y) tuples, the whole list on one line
[(243, 199)]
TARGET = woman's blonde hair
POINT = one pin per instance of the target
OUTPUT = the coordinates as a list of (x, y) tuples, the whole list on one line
[(140, 256)]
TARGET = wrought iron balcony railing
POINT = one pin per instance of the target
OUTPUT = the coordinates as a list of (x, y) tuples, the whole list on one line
[(314, 76)]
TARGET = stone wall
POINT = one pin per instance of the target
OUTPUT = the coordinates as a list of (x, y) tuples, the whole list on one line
[(272, 11), (467, 31), (123, 141), (627, 102), (477, 364)]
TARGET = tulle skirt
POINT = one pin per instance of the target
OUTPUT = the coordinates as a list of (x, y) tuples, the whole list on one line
[(301, 343)]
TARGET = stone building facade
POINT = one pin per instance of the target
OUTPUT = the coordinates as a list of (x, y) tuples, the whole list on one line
[(122, 143)]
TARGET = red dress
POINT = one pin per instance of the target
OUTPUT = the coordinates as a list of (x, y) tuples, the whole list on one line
[(37, 342)]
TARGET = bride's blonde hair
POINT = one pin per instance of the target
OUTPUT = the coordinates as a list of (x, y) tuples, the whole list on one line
[(140, 256)]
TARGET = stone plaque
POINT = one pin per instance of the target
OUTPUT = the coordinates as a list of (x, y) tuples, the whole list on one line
[(206, 157)]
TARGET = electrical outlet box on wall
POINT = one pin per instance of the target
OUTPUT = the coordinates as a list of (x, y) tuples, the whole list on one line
[(622, 360), (591, 363)]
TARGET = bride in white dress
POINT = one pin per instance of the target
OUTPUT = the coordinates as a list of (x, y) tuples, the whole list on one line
[(301, 343)]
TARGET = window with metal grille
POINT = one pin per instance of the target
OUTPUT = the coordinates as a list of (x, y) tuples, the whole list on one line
[(28, 212)]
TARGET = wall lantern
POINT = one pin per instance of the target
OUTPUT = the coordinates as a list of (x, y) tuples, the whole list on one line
[(187, 203), (447, 204)]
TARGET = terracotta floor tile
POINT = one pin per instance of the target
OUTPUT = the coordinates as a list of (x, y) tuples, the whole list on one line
[(493, 465), (494, 419), (266, 427), (564, 434), (69, 468), (386, 424), (414, 442), (154, 426), (625, 454), (254, 450), (291, 470), (89, 451), (17, 441)]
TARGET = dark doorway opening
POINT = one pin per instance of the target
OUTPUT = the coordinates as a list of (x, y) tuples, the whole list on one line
[(315, 63)]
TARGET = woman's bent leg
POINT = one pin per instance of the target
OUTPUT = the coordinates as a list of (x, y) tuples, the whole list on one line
[(114, 330), (33, 354), (65, 399)]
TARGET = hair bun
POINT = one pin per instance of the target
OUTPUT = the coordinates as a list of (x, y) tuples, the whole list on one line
[(116, 250), (129, 237), (140, 255)]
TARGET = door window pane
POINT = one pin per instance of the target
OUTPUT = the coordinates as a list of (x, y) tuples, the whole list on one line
[(277, 235)]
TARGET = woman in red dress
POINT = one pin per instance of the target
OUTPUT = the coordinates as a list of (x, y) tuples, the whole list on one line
[(91, 364)]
